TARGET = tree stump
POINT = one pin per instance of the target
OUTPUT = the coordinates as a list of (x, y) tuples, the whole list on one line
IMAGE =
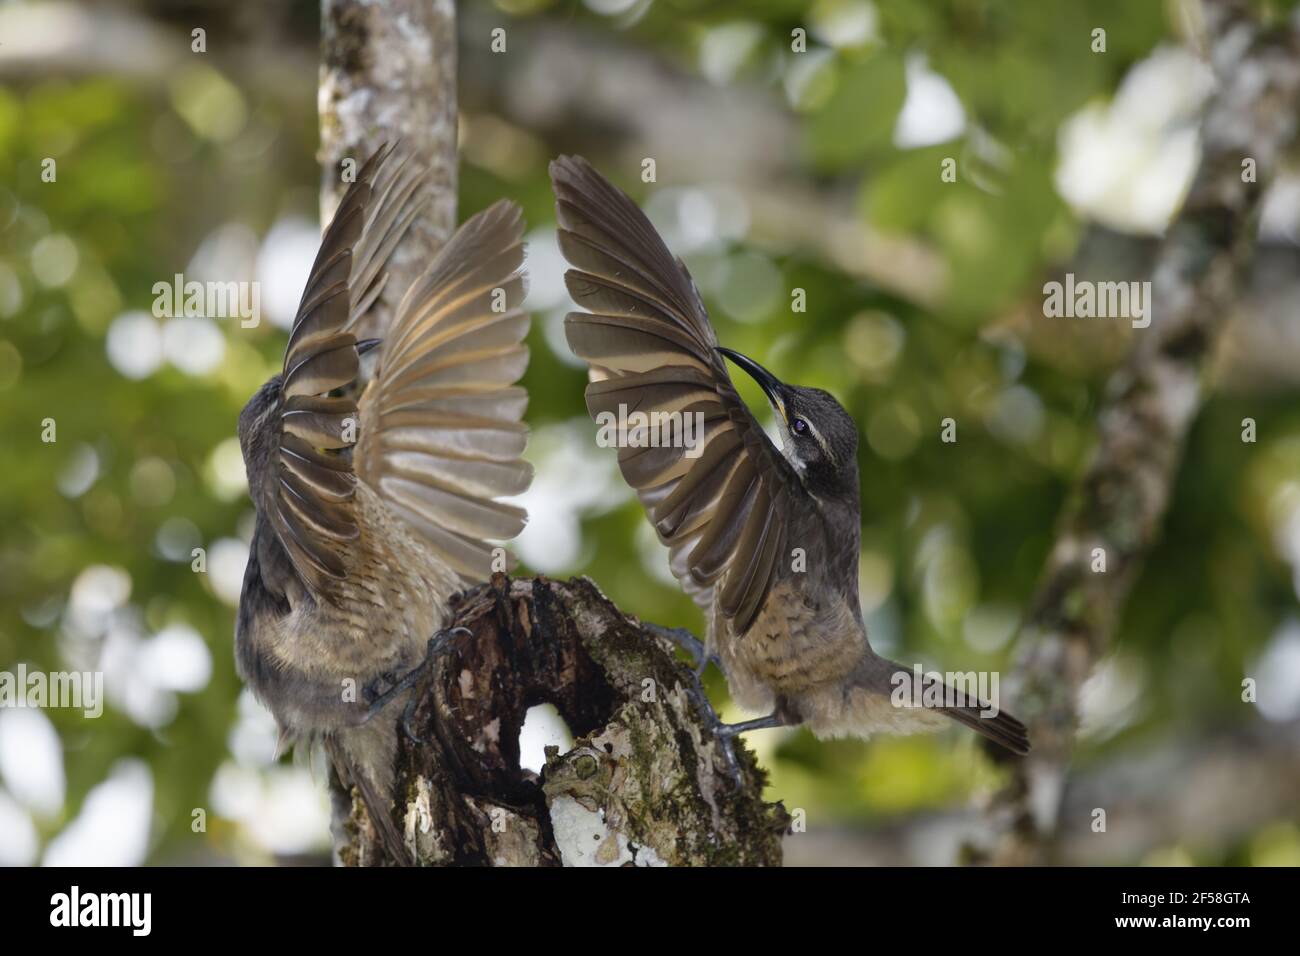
[(643, 785)]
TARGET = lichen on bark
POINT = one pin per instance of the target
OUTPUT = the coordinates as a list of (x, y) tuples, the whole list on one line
[(388, 73)]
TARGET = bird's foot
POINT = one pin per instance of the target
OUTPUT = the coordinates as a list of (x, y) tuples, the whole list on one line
[(437, 646), (726, 734), (700, 656)]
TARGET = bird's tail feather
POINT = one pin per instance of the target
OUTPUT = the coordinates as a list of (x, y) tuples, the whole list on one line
[(929, 694), (1003, 729), (382, 816), (367, 764)]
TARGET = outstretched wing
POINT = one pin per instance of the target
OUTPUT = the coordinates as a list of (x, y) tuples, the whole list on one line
[(313, 516), (648, 340), (441, 425)]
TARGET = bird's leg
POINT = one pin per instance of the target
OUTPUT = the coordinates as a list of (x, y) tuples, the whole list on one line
[(727, 733), (438, 644), (689, 643)]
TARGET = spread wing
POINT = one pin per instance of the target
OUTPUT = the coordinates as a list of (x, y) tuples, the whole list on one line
[(647, 337), (313, 512), (441, 432)]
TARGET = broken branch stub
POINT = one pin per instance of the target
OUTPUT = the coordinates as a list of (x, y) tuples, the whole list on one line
[(644, 784)]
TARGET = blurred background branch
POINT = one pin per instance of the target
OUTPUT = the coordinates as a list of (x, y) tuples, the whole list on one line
[(1115, 514), (1190, 792), (606, 94)]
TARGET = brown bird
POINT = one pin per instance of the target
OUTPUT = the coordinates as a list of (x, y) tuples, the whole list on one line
[(376, 501), (765, 540)]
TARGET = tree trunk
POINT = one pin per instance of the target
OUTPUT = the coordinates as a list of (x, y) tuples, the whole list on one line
[(643, 784), (388, 73)]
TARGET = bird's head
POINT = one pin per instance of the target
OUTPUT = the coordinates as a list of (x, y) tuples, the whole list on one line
[(259, 425), (818, 437)]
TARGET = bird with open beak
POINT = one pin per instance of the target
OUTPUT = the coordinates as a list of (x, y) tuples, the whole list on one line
[(765, 539), (376, 496)]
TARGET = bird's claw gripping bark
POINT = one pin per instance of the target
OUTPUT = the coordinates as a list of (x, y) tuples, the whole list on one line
[(725, 739), (437, 646), (727, 744), (727, 734), (691, 644)]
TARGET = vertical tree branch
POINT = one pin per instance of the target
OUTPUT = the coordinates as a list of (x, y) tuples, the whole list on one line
[(641, 785), (1148, 408), (388, 72)]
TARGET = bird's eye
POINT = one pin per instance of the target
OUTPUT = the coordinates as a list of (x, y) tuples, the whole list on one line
[(800, 426)]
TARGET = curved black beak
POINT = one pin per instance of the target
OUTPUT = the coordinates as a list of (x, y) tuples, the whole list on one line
[(365, 345), (772, 386)]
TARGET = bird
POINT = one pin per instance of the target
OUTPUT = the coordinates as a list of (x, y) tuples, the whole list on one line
[(377, 493), (764, 539)]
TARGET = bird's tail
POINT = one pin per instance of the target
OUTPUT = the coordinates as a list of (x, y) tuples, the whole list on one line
[(921, 694), (1002, 729), (363, 757)]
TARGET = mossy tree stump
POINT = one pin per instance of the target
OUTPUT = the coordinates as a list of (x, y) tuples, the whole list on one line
[(644, 784)]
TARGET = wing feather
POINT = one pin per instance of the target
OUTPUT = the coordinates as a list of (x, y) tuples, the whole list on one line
[(315, 486), (646, 335), (441, 435)]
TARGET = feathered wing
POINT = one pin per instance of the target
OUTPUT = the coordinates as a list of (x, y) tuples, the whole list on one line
[(313, 511), (442, 435), (722, 512)]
